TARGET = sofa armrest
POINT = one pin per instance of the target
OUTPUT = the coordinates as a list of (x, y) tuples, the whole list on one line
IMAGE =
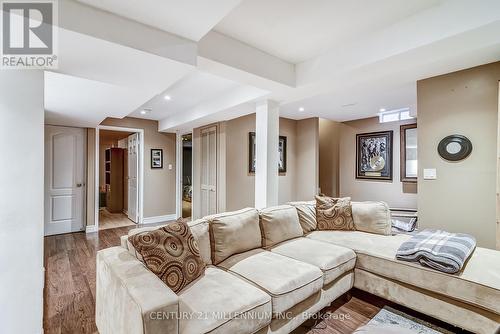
[(130, 298)]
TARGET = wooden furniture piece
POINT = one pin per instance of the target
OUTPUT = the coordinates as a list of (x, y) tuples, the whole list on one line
[(114, 179)]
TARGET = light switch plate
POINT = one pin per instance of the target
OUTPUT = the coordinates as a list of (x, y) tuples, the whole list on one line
[(430, 174), (170, 166)]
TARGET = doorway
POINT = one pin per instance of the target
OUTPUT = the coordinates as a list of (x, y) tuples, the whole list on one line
[(118, 182), (187, 175)]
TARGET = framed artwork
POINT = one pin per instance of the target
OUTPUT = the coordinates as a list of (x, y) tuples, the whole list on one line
[(374, 155), (156, 158), (281, 151), (408, 154)]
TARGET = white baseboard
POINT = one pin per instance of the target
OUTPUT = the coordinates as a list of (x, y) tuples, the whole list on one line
[(91, 229), (159, 219)]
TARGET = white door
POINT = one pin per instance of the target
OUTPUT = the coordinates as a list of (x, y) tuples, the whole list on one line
[(64, 179), (209, 171), (133, 167)]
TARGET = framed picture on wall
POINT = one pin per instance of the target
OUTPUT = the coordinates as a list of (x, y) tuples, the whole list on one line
[(408, 154), (156, 158), (374, 155), (281, 152)]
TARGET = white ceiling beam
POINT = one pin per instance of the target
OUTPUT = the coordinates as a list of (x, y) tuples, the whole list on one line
[(83, 19), (225, 50), (211, 110)]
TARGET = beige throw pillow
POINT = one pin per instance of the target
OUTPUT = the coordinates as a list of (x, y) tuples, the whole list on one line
[(171, 253), (307, 215), (372, 217), (279, 223), (233, 232), (334, 213)]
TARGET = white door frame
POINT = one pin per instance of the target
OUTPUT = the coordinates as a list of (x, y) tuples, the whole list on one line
[(178, 172), (140, 172)]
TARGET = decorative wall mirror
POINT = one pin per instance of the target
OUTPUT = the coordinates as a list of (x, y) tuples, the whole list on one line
[(408, 147), (455, 148)]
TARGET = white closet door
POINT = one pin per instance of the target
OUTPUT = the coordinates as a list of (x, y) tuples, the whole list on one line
[(209, 171), (132, 176), (64, 179)]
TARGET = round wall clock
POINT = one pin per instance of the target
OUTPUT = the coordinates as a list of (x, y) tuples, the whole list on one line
[(455, 148)]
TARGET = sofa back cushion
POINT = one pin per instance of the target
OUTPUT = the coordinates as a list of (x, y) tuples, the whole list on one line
[(233, 232), (200, 230), (372, 217), (307, 214), (279, 223), (334, 213)]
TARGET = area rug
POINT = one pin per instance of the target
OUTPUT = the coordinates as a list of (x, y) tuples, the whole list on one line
[(390, 316)]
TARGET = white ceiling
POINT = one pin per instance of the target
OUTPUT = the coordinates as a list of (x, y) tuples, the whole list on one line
[(342, 60), (81, 102), (297, 30), (190, 19)]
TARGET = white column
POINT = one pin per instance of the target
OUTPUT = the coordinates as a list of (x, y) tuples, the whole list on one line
[(266, 153), (21, 200)]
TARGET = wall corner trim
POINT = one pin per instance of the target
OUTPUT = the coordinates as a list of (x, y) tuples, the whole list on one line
[(91, 229), (159, 219)]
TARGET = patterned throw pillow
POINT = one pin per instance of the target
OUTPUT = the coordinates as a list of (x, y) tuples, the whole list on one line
[(171, 253), (334, 213)]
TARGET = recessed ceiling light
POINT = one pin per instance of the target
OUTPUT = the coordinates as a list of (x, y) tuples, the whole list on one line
[(301, 109), (381, 109), (143, 112), (167, 97)]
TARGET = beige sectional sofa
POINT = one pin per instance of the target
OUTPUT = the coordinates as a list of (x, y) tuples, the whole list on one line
[(269, 270)]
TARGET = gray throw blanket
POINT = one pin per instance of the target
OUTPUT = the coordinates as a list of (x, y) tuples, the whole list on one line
[(440, 250)]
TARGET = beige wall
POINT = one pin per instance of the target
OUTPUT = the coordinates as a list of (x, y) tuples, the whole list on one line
[(329, 137), (462, 198), (240, 185), (391, 192), (300, 180), (307, 155), (159, 184)]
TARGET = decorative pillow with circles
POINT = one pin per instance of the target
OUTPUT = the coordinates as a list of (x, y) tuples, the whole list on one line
[(334, 213), (171, 253)]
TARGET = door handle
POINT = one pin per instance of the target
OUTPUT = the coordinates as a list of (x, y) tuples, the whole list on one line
[(79, 185)]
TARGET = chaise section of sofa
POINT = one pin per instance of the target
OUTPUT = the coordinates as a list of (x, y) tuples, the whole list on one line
[(474, 292)]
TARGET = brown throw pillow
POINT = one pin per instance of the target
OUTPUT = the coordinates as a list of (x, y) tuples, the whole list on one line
[(334, 213), (171, 253)]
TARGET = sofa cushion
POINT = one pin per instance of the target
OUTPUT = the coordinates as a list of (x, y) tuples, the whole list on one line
[(307, 214), (279, 223), (171, 253), (372, 217), (286, 280), (334, 213), (331, 259), (477, 284), (220, 302), (233, 232)]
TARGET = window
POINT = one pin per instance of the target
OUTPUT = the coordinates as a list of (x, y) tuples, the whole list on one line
[(395, 115)]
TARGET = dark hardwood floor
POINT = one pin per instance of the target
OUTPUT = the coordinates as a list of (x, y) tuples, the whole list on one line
[(69, 295)]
